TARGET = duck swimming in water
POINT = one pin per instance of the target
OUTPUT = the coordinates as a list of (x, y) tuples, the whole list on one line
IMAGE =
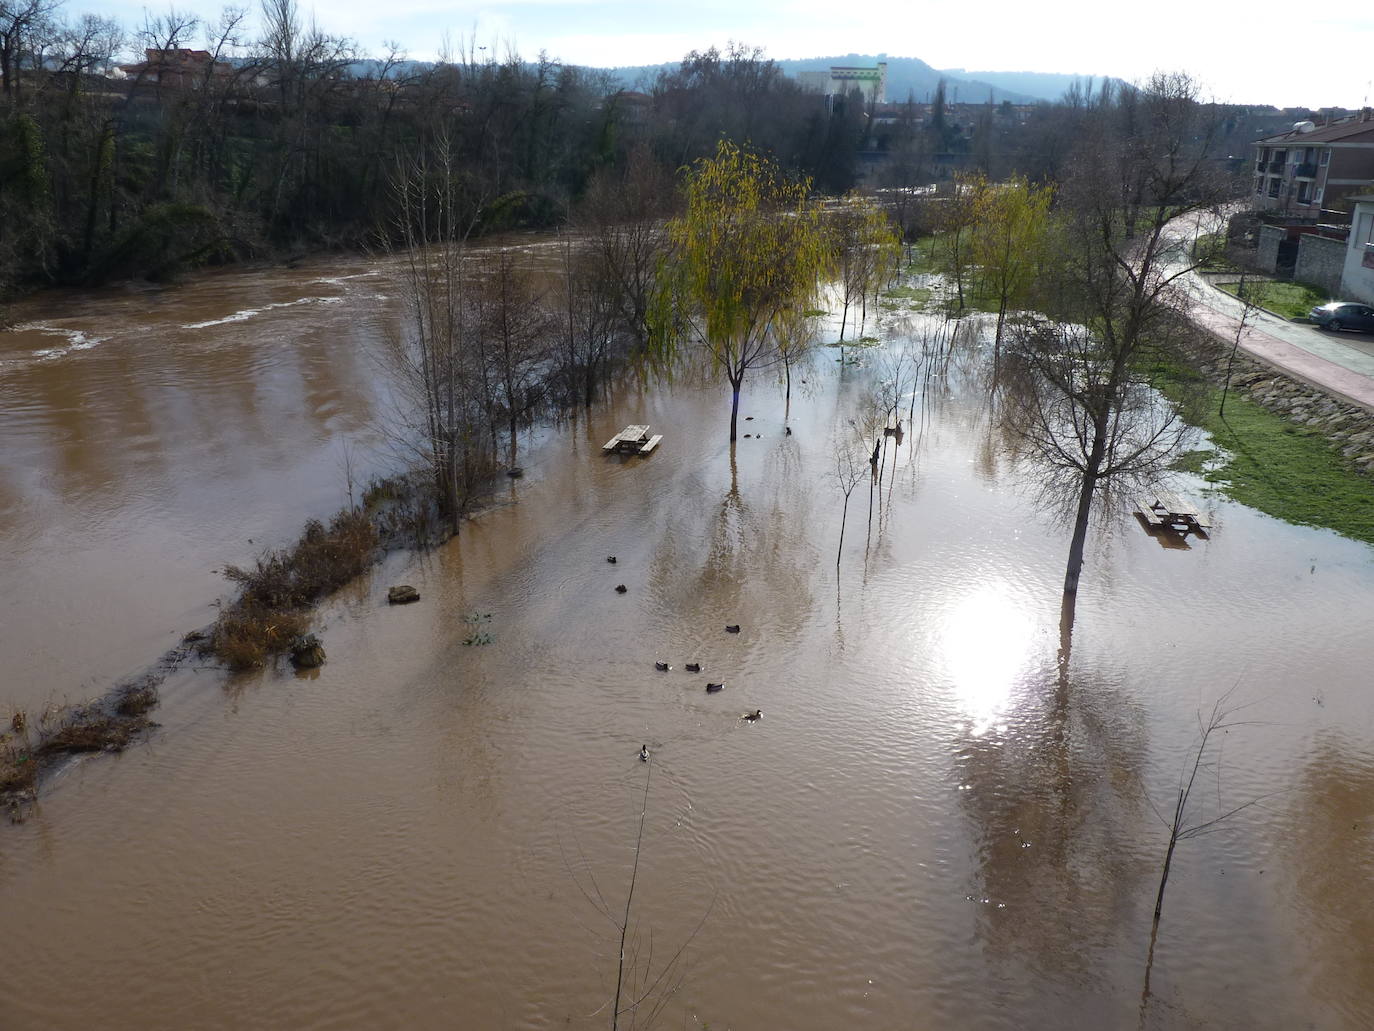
[(610, 559), (693, 667), (751, 716), (643, 753), (713, 688), (662, 667), (620, 588), (733, 628)]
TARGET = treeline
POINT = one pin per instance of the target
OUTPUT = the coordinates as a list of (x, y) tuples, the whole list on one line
[(275, 142)]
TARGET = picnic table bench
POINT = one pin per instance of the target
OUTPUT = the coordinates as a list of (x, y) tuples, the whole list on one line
[(633, 439), (1164, 509)]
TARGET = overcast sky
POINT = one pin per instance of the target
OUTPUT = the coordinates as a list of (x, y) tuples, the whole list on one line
[(1247, 51)]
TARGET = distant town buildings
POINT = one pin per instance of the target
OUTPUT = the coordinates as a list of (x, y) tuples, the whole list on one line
[(177, 69), (839, 80), (1312, 167), (1311, 193)]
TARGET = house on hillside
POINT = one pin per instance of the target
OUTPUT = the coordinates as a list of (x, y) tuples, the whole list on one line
[(1312, 168), (177, 69)]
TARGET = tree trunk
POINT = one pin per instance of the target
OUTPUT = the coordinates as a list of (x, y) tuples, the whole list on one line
[(734, 405), (844, 516), (1080, 522)]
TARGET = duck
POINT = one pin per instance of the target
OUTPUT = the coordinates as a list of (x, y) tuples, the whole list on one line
[(732, 628), (748, 418), (693, 667), (713, 688), (610, 559), (620, 588), (662, 667), (643, 753), (752, 716)]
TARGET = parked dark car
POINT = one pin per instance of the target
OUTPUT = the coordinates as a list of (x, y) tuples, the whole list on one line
[(1343, 315)]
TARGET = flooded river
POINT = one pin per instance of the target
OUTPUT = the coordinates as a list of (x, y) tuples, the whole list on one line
[(922, 830)]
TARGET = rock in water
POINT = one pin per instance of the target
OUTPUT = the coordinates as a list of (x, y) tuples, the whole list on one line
[(402, 595), (307, 652)]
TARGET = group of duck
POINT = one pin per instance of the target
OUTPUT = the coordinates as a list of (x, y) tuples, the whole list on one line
[(690, 667)]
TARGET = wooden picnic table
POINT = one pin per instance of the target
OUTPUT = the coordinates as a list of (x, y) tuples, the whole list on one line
[(634, 439), (1167, 509)]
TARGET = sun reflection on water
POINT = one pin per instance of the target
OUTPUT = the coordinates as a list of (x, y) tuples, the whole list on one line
[(985, 643)]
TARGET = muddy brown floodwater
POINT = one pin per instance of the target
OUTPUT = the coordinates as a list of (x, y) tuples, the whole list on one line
[(920, 832)]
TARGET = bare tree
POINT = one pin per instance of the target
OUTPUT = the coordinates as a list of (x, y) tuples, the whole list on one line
[(24, 26), (621, 218), (1183, 825), (451, 428), (514, 334), (1245, 292), (1080, 398), (851, 452)]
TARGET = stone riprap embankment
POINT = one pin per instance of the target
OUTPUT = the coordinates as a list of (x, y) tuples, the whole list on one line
[(1349, 427)]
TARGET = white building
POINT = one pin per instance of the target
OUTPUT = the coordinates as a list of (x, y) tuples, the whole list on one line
[(841, 79), (1357, 278)]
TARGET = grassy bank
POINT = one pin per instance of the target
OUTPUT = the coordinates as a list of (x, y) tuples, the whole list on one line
[(1291, 300), (1275, 465)]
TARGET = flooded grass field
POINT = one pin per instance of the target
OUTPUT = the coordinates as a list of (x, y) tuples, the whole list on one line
[(927, 827)]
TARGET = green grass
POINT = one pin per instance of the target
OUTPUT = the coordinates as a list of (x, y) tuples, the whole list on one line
[(919, 295), (923, 258), (1291, 300), (1288, 471), (1192, 461), (1209, 251)]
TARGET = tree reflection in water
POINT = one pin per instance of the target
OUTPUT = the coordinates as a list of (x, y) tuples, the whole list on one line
[(1053, 798)]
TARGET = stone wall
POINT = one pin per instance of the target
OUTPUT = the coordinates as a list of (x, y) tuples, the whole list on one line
[(1320, 263), (1267, 255), (1348, 427)]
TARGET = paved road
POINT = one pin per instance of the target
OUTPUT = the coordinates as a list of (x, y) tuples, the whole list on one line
[(1340, 363)]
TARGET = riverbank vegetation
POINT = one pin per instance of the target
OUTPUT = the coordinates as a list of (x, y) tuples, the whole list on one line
[(143, 151), (1269, 461), (31, 745), (1289, 300), (276, 594)]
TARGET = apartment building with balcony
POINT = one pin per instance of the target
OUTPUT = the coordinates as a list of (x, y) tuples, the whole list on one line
[(1313, 168)]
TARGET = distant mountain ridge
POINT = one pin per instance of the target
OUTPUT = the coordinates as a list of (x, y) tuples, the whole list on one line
[(910, 76), (1041, 85)]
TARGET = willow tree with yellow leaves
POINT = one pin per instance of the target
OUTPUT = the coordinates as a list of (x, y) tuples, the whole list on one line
[(748, 256), (1011, 226), (867, 250)]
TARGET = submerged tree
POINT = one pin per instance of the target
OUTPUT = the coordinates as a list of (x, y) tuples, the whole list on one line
[(1008, 243), (748, 249), (1080, 398), (957, 215), (867, 249), (453, 428)]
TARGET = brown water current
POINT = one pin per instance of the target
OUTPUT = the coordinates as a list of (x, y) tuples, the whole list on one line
[(925, 828)]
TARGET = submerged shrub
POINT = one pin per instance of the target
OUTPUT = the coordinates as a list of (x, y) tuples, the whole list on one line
[(270, 612)]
